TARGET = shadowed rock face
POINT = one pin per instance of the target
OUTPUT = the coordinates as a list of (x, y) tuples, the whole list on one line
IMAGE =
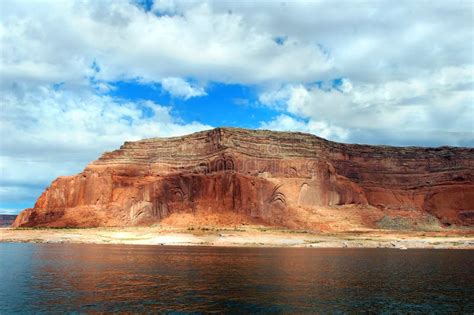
[(6, 219), (275, 177)]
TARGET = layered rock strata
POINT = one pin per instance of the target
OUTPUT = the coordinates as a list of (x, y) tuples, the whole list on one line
[(276, 178)]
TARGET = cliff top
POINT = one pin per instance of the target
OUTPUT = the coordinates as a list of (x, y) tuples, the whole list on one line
[(263, 143)]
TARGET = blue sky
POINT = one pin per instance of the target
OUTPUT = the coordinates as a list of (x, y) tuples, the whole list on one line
[(242, 108), (78, 78)]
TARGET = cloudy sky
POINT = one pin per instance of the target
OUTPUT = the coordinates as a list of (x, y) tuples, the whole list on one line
[(81, 77)]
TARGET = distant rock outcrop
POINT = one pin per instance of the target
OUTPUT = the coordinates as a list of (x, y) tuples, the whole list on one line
[(7, 219), (275, 178)]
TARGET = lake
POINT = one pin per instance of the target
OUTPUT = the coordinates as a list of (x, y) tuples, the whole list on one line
[(122, 278)]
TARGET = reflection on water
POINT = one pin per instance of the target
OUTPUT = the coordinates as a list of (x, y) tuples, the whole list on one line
[(90, 278)]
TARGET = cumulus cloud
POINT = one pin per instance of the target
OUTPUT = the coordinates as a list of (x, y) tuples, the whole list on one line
[(127, 42), (233, 42), (371, 41), (321, 128), (178, 87), (439, 106)]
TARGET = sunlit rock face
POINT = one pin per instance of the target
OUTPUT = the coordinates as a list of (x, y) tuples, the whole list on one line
[(274, 178)]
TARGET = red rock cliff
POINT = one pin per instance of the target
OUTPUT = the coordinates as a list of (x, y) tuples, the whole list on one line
[(273, 177)]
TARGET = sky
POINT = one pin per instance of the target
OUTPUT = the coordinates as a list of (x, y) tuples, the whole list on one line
[(78, 78)]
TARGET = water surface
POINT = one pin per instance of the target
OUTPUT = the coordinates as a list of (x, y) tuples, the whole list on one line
[(108, 278)]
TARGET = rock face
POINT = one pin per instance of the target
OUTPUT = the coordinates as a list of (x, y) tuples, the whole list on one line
[(274, 178), (7, 219)]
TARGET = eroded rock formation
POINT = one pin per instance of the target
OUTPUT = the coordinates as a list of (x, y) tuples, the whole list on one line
[(274, 178)]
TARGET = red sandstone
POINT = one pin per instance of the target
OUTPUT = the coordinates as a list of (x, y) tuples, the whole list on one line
[(232, 176)]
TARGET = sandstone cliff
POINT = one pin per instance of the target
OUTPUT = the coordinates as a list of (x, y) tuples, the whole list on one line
[(230, 176)]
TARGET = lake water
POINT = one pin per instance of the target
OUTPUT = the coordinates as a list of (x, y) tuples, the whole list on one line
[(108, 278)]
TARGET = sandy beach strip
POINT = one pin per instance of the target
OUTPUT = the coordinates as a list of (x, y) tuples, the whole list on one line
[(244, 237)]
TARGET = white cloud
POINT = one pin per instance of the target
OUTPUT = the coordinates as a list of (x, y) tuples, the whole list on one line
[(127, 42), (233, 41), (320, 128), (440, 104), (178, 87)]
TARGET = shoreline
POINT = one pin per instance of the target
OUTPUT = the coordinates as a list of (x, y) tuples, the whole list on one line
[(242, 237)]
